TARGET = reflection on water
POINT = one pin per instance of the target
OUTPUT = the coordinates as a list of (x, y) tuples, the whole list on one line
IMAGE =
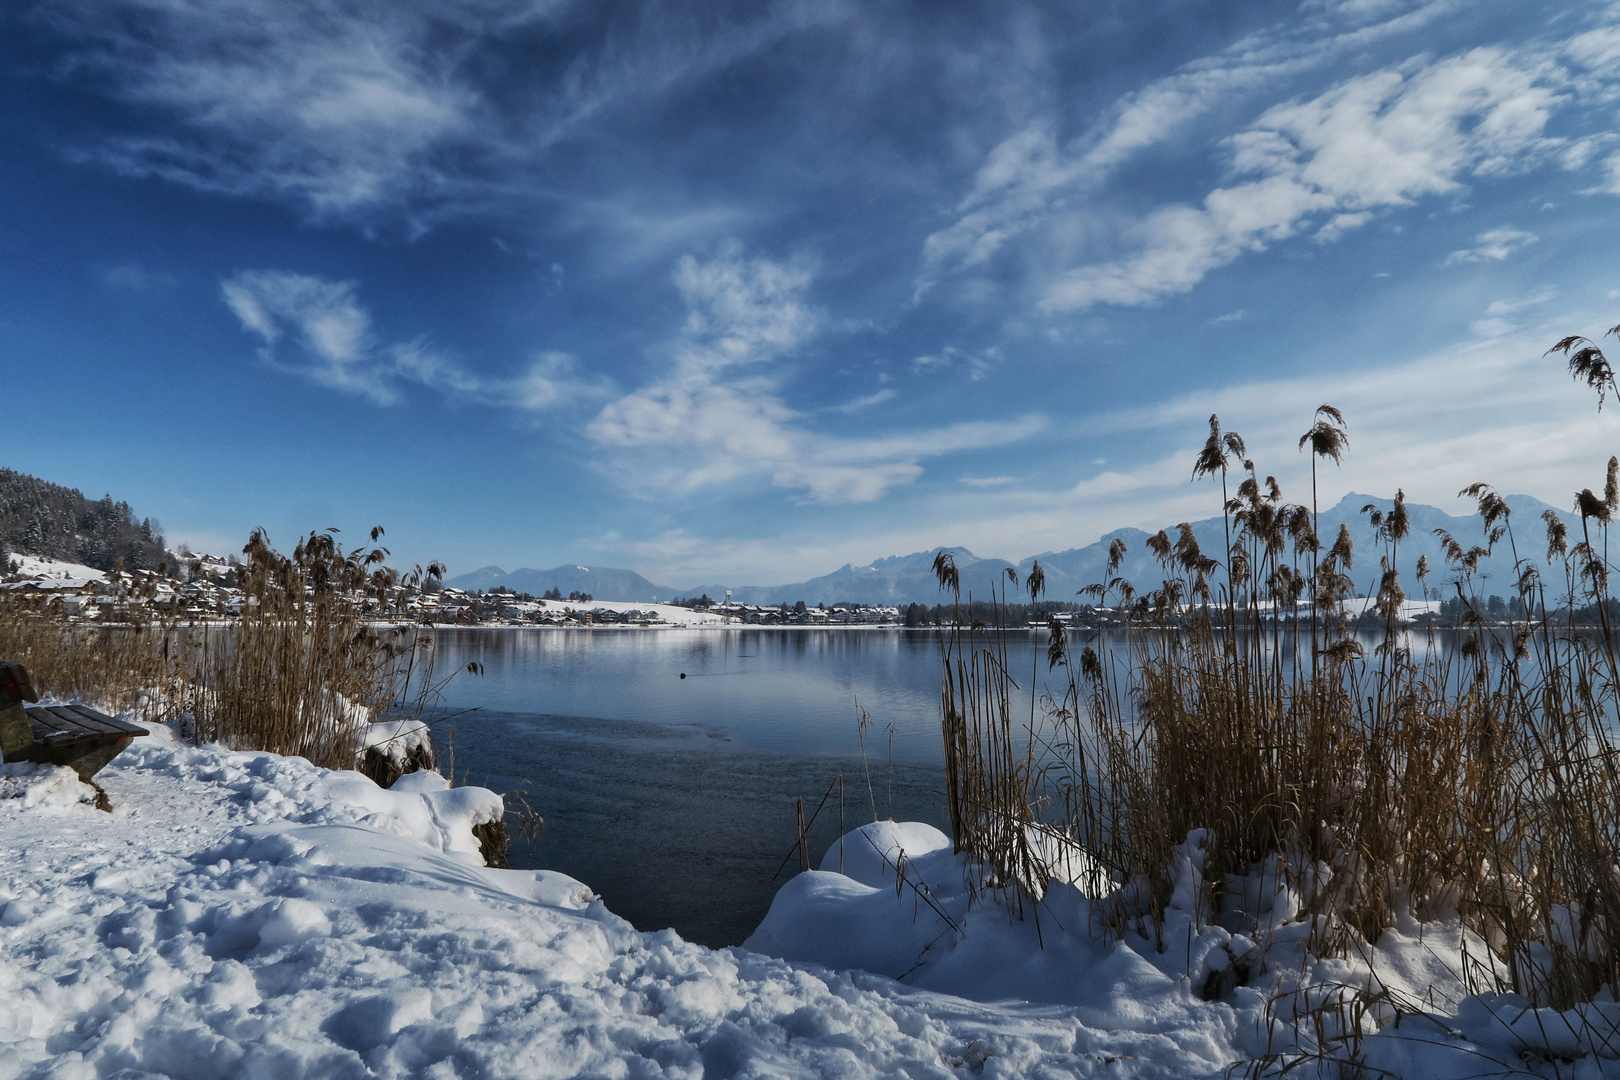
[(675, 798), (790, 691)]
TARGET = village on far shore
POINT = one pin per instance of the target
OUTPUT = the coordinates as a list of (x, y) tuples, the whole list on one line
[(205, 588), (190, 587)]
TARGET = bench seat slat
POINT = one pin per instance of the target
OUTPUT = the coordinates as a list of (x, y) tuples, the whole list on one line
[(65, 725)]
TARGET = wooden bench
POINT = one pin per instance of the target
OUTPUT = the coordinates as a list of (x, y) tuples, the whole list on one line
[(73, 735)]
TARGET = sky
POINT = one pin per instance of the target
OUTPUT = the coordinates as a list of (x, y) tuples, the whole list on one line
[(745, 291)]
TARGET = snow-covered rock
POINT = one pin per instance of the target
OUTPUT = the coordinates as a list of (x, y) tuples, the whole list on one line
[(395, 739)]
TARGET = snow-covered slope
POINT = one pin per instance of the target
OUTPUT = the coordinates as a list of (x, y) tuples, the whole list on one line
[(32, 566), (244, 915)]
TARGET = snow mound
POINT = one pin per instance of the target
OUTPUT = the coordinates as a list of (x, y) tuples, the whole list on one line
[(906, 906), (396, 739), (422, 807), (33, 784), (870, 853)]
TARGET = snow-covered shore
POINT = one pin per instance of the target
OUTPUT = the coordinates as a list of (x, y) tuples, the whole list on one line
[(895, 898), (248, 915)]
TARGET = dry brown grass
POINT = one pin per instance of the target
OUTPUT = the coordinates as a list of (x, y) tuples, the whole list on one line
[(286, 676), (1478, 775), (111, 666)]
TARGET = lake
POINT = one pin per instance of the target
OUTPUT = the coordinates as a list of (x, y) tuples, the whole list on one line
[(675, 799)]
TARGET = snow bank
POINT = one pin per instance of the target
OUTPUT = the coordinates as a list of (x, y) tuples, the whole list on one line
[(906, 906), (32, 566), (421, 806), (33, 784), (247, 915)]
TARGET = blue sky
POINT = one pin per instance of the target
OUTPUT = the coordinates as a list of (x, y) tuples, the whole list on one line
[(743, 292)]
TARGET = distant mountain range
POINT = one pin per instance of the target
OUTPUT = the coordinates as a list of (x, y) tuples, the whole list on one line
[(908, 579)]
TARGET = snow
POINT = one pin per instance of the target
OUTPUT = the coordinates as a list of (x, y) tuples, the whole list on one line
[(241, 914), (670, 614), (395, 739), (32, 566), (247, 915), (665, 614), (37, 784), (903, 906)]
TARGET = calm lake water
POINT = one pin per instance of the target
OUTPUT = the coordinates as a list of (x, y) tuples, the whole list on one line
[(675, 798)]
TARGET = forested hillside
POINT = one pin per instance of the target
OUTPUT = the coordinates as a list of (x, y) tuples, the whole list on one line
[(56, 522)]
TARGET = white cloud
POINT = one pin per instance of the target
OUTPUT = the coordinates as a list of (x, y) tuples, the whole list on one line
[(351, 108), (1508, 307), (317, 328), (1598, 48), (866, 402), (1495, 410), (1374, 142), (718, 416), (1488, 410), (1493, 246), (134, 278), (1496, 323), (741, 311), (336, 107), (1030, 178), (1488, 328), (977, 365), (1484, 410), (1611, 181), (330, 332)]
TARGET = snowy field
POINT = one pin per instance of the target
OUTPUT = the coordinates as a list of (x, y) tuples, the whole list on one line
[(34, 567), (671, 614), (248, 915)]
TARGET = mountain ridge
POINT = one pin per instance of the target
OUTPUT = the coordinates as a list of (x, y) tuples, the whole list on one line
[(906, 579)]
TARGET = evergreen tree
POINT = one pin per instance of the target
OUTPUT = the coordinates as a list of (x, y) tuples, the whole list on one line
[(55, 522)]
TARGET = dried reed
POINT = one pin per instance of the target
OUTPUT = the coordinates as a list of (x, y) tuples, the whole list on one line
[(300, 672), (1477, 776)]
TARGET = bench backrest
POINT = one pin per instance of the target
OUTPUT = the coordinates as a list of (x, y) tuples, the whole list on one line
[(15, 688)]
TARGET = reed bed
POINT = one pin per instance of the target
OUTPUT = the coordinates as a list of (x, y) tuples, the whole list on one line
[(1382, 774), (117, 667), (304, 666), (300, 672)]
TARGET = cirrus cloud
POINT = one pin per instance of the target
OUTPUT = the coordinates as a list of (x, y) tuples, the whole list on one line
[(1330, 164), (317, 329), (718, 415)]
